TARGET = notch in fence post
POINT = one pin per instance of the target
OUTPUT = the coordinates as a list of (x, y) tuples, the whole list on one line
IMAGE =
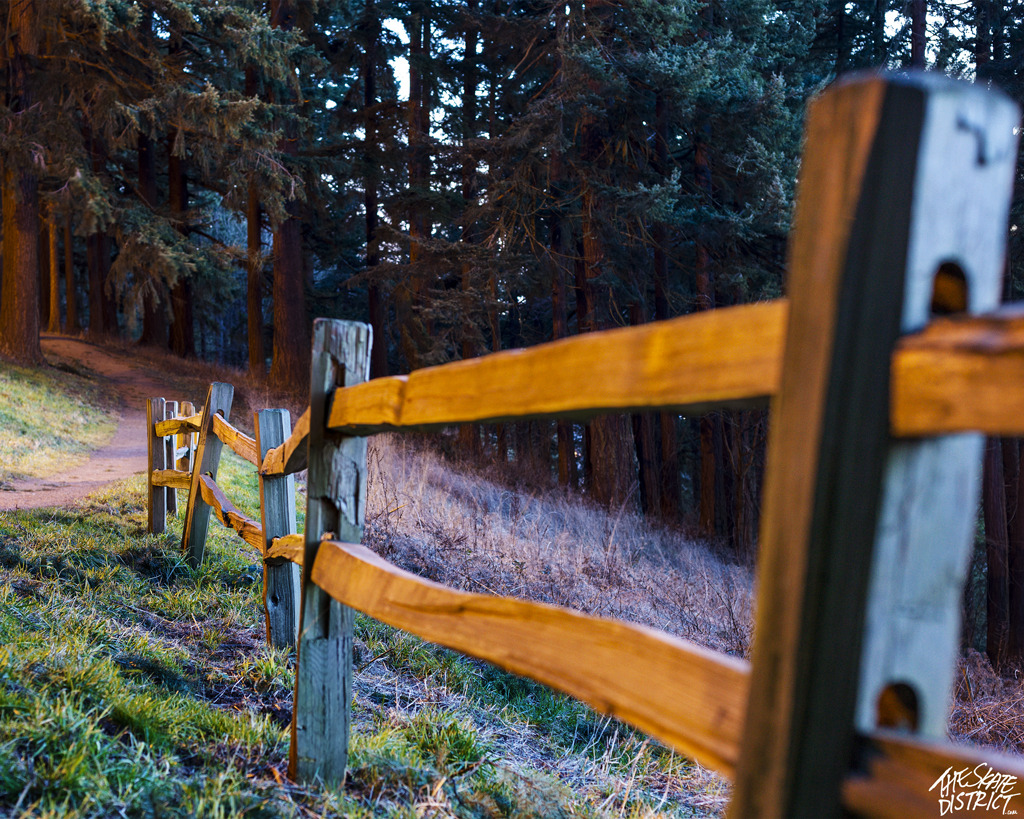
[(157, 518), (281, 577), (336, 503), (170, 444), (899, 175), (207, 458)]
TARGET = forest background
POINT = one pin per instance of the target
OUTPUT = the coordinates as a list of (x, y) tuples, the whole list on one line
[(466, 176)]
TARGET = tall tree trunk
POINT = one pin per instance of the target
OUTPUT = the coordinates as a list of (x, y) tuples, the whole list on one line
[(668, 462), (469, 435), (290, 365), (918, 32), (154, 315), (996, 551), (43, 256), (842, 36), (19, 311), (254, 260), (415, 330), (711, 425), (1013, 482), (982, 38), (610, 450), (71, 294), (19, 299), (644, 442), (183, 342), (51, 230), (371, 202)]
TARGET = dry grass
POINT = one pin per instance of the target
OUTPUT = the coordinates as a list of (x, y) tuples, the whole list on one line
[(471, 533), (988, 708)]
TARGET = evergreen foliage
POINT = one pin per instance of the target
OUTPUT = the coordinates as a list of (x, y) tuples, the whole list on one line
[(468, 176)]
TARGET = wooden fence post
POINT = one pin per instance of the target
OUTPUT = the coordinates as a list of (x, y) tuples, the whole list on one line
[(157, 518), (186, 440), (207, 458), (899, 176), (336, 489), (170, 444), (277, 509)]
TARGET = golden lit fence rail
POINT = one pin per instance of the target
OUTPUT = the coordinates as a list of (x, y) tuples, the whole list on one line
[(184, 454), (870, 491)]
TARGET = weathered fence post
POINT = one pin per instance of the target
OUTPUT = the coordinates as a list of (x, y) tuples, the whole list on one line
[(277, 509), (900, 176), (157, 507), (186, 441), (207, 458), (170, 444), (336, 488)]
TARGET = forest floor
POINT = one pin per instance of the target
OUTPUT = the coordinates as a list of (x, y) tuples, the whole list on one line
[(133, 685), (127, 385)]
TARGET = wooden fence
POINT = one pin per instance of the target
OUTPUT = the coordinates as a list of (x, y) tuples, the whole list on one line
[(870, 492)]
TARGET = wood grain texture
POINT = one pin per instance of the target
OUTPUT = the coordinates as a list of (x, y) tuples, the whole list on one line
[(248, 529), (173, 478), (156, 507), (238, 442), (176, 426), (962, 374), (827, 446), (207, 458), (336, 502), (186, 441), (290, 456), (690, 698), (720, 358), (902, 772), (171, 496), (925, 533), (290, 547), (281, 577)]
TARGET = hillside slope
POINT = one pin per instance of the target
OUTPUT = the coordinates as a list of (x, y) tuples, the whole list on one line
[(129, 683)]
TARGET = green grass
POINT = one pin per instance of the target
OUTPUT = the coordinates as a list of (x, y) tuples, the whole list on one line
[(131, 684), (49, 420)]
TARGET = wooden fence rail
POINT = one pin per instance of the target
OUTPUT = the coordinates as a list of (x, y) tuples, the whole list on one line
[(869, 497)]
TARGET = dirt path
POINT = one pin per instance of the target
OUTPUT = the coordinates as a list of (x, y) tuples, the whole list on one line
[(125, 453)]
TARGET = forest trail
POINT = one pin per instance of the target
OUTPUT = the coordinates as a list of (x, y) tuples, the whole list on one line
[(129, 385)]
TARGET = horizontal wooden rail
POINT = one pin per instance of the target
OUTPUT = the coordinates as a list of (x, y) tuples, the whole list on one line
[(248, 529), (904, 773), (689, 697), (238, 442), (960, 374), (719, 358), (292, 547), (178, 426), (172, 478), (291, 455)]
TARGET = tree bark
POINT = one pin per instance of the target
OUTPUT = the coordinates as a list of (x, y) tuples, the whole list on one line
[(996, 551), (918, 32), (254, 261), (668, 462), (154, 316), (1013, 482), (371, 204), (183, 342), (19, 298), (51, 230), (71, 294), (291, 354)]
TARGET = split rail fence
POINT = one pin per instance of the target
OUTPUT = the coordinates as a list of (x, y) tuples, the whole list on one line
[(878, 409)]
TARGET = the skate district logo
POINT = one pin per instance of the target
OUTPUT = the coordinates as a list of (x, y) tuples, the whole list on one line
[(978, 789)]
